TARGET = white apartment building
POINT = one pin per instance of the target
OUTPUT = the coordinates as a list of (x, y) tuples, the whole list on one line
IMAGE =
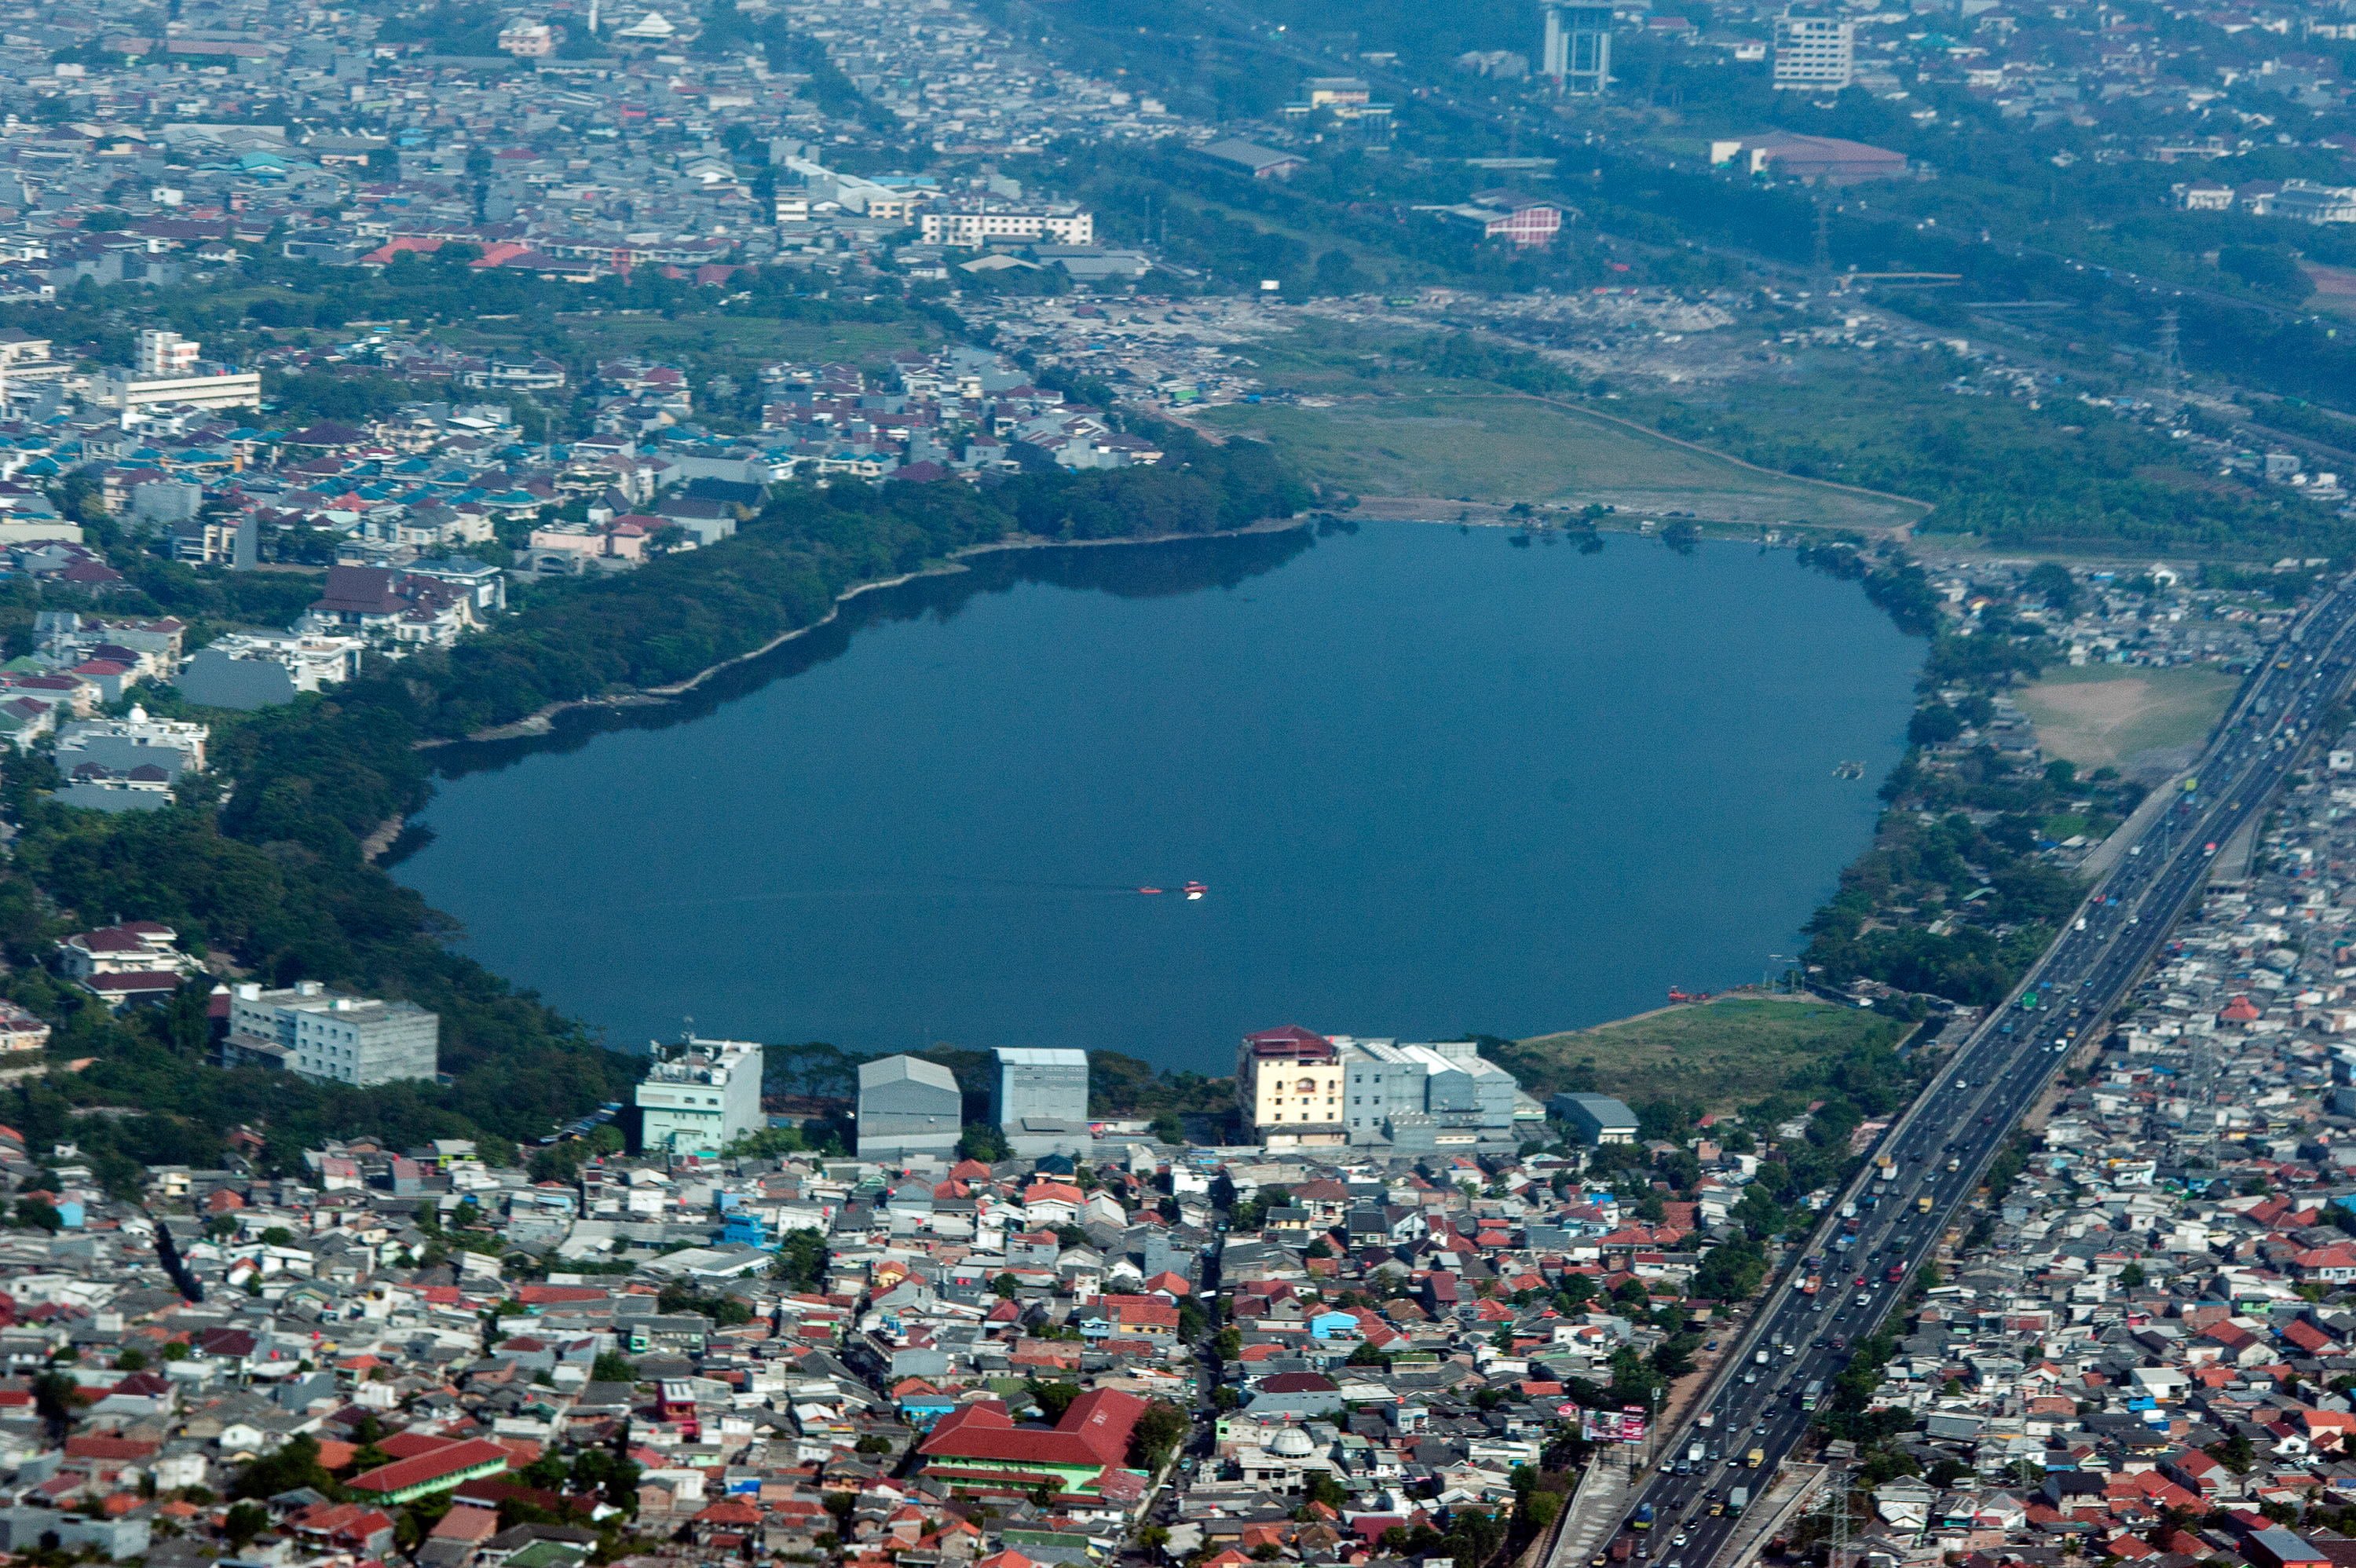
[(315, 1033), (167, 354), (169, 371), (246, 670), (2310, 202), (528, 38), (1059, 226), (1815, 53), (701, 1095), (26, 360)]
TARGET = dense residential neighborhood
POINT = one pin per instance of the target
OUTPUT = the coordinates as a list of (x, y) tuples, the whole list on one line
[(849, 276), (2139, 1349), (2131, 1350), (698, 1356)]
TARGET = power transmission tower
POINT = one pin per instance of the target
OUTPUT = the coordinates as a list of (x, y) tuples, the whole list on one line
[(1837, 1520), (1824, 252), (2167, 329)]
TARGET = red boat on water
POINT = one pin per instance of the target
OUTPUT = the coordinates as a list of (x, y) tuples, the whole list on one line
[(1677, 996), (1195, 890), (1148, 889)]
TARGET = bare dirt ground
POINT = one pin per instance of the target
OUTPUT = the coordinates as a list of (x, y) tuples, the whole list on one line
[(2117, 715), (2335, 287)]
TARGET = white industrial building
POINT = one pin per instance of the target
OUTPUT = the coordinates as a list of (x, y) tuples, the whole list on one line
[(908, 1106), (1040, 1099), (1422, 1097)]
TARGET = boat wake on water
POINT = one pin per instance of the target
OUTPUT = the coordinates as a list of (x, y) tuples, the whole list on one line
[(1190, 891)]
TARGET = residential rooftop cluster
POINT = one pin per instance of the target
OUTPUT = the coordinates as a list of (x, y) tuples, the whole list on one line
[(727, 1348), (406, 505), (2159, 81), (2157, 616), (568, 142), (2141, 1352)]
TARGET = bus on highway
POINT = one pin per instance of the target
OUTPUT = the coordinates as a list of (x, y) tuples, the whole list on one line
[(1811, 1396)]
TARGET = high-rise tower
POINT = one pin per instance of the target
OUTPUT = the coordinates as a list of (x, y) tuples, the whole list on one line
[(1577, 51)]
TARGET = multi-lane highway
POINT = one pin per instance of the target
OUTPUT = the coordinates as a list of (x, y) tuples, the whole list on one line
[(1888, 1222)]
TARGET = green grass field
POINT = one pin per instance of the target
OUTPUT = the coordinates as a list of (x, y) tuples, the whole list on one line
[(1719, 1055), (2108, 715), (1501, 449)]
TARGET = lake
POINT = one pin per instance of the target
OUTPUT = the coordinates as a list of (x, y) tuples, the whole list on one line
[(1434, 782)]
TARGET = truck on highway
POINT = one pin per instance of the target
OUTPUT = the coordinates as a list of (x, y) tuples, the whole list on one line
[(1642, 1519), (1736, 1498), (1697, 1452), (1922, 1204), (1755, 1458)]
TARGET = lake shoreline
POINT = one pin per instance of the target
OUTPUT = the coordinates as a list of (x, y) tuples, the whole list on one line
[(822, 806), (543, 721)]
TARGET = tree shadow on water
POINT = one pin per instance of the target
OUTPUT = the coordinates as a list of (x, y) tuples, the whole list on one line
[(1160, 570)]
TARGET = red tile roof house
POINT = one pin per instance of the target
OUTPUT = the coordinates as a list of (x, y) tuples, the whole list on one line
[(345, 1527), (977, 1447), (135, 946), (1139, 1318), (469, 1526), (2327, 1266), (729, 1516), (2199, 1474), (115, 991)]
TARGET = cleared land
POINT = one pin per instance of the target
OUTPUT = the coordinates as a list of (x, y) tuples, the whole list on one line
[(2113, 715), (1719, 1055), (2335, 287), (1501, 449)]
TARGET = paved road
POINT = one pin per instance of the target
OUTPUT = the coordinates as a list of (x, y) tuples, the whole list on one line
[(1940, 1146)]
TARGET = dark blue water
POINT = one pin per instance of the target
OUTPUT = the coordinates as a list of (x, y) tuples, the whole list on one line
[(1435, 782)]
